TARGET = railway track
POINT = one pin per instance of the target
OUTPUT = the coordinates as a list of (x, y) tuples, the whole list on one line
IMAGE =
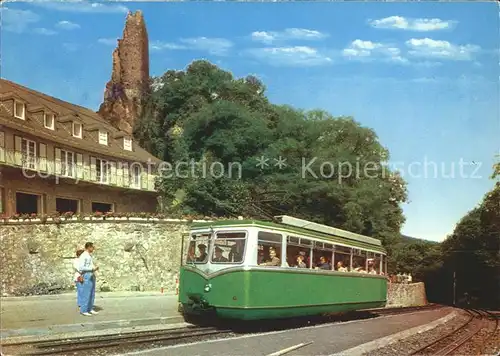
[(447, 344), (491, 335), (110, 344), (92, 343), (399, 310)]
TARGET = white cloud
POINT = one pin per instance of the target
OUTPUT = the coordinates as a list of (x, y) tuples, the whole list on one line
[(44, 31), (269, 37), (412, 24), (83, 6), (429, 48), (67, 25), (160, 46), (215, 46), (15, 20), (108, 41), (368, 50), (290, 56)]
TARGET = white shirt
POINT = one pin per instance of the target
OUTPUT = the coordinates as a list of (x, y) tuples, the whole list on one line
[(85, 262)]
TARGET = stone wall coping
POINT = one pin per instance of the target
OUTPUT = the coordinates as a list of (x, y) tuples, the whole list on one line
[(97, 220)]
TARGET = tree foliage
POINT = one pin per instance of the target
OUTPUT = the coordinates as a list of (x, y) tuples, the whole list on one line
[(205, 115), (213, 128), (473, 250)]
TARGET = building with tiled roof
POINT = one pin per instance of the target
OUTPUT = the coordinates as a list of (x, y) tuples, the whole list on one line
[(57, 157)]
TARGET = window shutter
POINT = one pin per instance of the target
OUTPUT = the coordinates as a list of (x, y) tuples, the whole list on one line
[(126, 175), (17, 148), (79, 166), (93, 172), (42, 163), (2, 147), (58, 161), (113, 173)]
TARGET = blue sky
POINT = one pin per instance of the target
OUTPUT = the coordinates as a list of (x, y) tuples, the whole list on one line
[(423, 75)]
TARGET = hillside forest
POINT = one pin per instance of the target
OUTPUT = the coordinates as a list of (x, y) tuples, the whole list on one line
[(223, 126)]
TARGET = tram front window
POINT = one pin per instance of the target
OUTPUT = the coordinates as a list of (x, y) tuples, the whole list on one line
[(198, 248), (229, 247)]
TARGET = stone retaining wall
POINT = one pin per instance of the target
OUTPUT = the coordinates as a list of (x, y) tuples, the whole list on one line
[(36, 258), (406, 295)]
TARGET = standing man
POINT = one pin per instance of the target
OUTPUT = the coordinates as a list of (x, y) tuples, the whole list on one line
[(87, 270)]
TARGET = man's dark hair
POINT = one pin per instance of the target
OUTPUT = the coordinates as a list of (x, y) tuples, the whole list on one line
[(88, 244)]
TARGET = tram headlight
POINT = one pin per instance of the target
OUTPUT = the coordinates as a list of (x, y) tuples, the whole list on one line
[(208, 287)]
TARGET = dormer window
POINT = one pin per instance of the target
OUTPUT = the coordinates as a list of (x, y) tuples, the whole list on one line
[(48, 121), (127, 144), (77, 129), (19, 110), (103, 137)]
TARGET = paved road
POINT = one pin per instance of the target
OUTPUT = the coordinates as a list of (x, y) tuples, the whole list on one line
[(327, 339), (46, 311)]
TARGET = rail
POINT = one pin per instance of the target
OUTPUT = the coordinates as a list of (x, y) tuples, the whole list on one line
[(448, 343), (89, 343)]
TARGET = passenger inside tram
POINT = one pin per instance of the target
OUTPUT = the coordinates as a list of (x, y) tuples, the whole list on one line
[(218, 256), (273, 259), (340, 267), (191, 256), (323, 264), (203, 253), (236, 253), (300, 260), (371, 267)]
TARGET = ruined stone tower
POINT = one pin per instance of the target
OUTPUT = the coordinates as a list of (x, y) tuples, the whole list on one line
[(124, 93)]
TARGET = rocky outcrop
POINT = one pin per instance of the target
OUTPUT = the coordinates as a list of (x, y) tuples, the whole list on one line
[(129, 84)]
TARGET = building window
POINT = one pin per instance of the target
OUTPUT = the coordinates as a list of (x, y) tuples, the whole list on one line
[(135, 175), (67, 163), (103, 137), (102, 207), (77, 129), (103, 170), (27, 203), (48, 121), (28, 153), (19, 110), (66, 205), (127, 144)]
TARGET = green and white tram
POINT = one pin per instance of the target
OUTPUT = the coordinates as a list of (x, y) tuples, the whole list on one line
[(249, 269)]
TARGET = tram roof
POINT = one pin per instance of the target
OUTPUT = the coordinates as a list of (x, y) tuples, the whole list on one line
[(313, 230)]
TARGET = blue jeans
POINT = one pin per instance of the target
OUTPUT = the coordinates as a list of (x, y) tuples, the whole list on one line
[(87, 295)]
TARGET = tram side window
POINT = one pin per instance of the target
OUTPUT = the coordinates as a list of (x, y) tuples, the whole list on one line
[(380, 264), (269, 249), (297, 252), (372, 263), (342, 258), (198, 248), (358, 260), (229, 247), (322, 256)]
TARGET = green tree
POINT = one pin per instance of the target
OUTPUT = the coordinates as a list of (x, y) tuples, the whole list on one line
[(472, 251), (205, 115)]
